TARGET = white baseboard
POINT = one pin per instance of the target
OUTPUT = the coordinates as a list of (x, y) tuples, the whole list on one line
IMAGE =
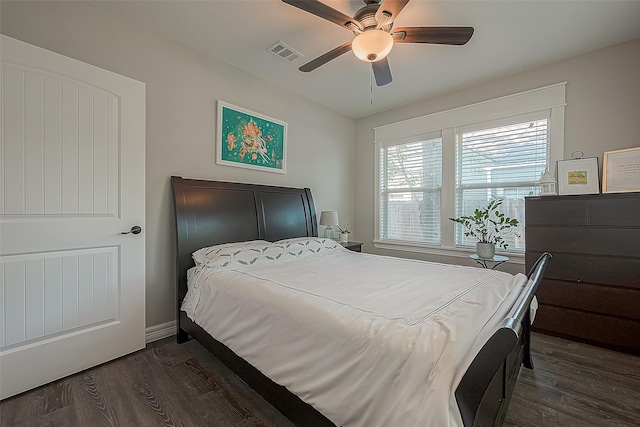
[(158, 332)]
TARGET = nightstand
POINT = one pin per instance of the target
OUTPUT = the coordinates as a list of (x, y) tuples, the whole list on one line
[(353, 246)]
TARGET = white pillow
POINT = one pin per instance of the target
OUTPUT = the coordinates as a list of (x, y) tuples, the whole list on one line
[(240, 258), (303, 245), (211, 253), (259, 252)]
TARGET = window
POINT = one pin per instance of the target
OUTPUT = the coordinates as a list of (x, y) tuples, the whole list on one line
[(410, 187), (500, 160), (446, 164)]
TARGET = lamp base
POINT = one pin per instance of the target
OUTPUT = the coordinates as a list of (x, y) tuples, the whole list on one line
[(328, 233)]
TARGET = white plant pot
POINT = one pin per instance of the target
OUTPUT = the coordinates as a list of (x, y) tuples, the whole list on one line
[(344, 237), (485, 250)]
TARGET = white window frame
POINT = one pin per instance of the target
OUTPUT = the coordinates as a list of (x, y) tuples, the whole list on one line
[(551, 98)]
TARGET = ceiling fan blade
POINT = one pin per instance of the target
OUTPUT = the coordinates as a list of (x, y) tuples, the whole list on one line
[(382, 72), (436, 35), (323, 59), (391, 8), (323, 11)]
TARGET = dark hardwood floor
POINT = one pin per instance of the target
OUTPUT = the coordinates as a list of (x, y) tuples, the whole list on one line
[(575, 384), (168, 384)]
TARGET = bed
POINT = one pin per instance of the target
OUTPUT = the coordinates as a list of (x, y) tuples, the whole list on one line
[(210, 213)]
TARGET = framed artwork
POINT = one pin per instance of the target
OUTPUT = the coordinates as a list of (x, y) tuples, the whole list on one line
[(621, 171), (578, 176), (250, 140)]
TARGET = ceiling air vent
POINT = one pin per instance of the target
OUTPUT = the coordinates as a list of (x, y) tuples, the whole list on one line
[(284, 52)]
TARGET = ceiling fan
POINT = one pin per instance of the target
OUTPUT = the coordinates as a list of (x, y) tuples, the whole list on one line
[(372, 25)]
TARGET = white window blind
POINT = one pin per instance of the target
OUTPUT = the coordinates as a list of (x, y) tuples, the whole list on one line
[(500, 159), (410, 191)]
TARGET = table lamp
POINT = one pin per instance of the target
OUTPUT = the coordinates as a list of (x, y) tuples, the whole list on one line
[(329, 219)]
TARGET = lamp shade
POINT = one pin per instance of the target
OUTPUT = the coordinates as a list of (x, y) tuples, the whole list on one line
[(372, 45), (329, 218)]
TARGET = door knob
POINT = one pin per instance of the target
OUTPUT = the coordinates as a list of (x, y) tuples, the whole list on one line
[(134, 230)]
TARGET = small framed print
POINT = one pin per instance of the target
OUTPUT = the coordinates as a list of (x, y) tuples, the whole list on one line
[(578, 176), (621, 171)]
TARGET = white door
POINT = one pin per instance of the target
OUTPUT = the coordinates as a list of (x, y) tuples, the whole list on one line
[(71, 180)]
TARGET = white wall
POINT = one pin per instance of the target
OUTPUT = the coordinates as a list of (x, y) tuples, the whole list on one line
[(602, 114), (182, 86)]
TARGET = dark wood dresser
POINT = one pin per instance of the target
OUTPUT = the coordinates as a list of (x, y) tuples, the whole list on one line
[(591, 287)]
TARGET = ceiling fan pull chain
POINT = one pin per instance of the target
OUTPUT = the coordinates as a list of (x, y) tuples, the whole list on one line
[(371, 86)]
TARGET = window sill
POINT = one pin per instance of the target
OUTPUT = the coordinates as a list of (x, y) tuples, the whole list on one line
[(455, 252)]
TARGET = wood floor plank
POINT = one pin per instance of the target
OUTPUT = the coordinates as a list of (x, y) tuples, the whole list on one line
[(242, 406), (101, 398), (170, 384), (144, 384), (59, 397)]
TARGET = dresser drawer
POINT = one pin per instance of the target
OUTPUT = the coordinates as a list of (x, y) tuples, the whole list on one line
[(585, 240), (599, 299), (615, 210), (547, 211), (620, 211), (617, 271), (619, 334)]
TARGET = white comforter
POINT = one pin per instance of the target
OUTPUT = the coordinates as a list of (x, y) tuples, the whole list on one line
[(367, 340)]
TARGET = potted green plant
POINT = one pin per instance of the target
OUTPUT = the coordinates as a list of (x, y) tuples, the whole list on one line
[(488, 226)]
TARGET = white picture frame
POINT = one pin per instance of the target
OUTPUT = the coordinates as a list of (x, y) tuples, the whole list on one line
[(621, 171), (578, 176)]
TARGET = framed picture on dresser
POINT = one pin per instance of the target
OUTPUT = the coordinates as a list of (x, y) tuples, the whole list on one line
[(621, 171), (578, 176)]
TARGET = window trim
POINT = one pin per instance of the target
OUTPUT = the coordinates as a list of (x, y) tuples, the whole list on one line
[(550, 98)]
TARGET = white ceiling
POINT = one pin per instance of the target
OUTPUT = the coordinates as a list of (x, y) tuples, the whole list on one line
[(509, 36)]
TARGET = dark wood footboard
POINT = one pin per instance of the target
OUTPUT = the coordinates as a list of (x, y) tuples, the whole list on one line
[(485, 389)]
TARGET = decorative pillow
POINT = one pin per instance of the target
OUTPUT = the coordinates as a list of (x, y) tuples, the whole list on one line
[(241, 255), (210, 253), (242, 258), (300, 246)]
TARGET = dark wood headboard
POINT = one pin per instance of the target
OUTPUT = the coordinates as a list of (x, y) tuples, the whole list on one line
[(213, 212)]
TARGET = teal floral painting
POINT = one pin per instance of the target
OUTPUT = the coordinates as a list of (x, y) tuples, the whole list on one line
[(250, 140)]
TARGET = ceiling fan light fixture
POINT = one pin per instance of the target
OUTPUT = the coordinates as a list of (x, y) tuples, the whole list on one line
[(372, 45)]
